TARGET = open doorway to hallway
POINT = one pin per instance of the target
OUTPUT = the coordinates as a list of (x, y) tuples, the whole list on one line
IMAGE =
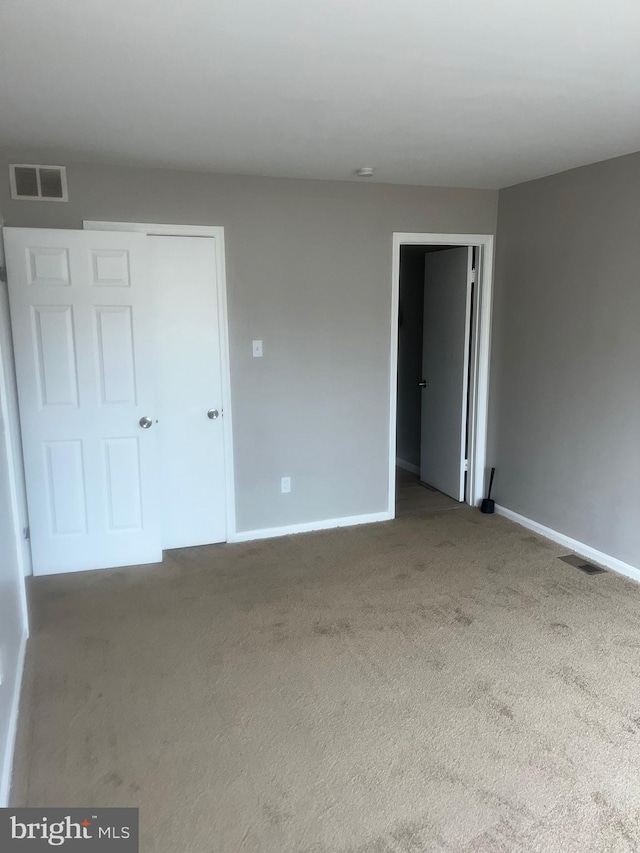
[(471, 439), (435, 354)]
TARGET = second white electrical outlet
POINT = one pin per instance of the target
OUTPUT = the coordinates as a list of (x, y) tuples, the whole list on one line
[(285, 485)]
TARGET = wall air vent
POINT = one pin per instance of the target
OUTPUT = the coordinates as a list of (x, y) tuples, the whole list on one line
[(38, 183)]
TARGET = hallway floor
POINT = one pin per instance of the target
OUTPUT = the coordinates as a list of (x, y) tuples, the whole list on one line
[(414, 500), (436, 683)]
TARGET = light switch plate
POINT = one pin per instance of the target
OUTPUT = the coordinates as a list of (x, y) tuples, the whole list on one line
[(257, 349)]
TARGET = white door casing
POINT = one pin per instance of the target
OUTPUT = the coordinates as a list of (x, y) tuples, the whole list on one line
[(479, 373), (84, 349), (183, 272), (445, 369)]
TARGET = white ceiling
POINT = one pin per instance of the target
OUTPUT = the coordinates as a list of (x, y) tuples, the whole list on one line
[(476, 93)]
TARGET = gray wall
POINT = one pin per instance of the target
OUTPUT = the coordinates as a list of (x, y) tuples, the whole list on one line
[(309, 272), (13, 418), (12, 615), (410, 353), (565, 380)]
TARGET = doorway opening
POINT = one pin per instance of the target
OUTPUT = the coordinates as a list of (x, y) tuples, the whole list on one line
[(441, 321)]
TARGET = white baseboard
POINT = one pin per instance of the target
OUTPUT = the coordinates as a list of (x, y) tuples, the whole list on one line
[(572, 544), (308, 527), (12, 731), (408, 466)]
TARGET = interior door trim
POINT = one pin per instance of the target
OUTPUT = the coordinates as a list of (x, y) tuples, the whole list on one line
[(217, 232), (480, 354)]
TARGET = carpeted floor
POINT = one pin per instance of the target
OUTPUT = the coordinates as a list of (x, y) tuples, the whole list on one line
[(437, 683)]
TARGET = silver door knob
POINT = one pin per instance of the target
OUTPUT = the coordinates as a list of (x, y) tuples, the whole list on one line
[(145, 422), (422, 384), (212, 414)]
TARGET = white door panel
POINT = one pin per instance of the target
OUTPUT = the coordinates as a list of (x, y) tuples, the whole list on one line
[(445, 364), (84, 347), (192, 472)]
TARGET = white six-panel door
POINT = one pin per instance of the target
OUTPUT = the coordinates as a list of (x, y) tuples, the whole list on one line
[(192, 459), (84, 347), (445, 367)]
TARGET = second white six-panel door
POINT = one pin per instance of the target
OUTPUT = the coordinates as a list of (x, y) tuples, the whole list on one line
[(192, 462), (445, 366)]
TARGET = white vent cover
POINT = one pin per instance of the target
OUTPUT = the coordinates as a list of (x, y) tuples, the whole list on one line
[(38, 183)]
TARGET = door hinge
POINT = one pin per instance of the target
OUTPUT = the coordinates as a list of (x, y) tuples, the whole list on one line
[(466, 465), (473, 276), (26, 533)]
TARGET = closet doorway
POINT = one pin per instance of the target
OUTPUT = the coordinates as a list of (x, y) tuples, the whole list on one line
[(120, 338)]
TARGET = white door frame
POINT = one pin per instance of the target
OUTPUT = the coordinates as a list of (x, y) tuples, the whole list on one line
[(157, 230), (480, 354)]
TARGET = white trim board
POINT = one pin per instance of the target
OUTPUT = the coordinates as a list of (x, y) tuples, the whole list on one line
[(155, 228), (407, 466), (309, 526), (12, 730), (480, 355), (580, 548), (217, 232)]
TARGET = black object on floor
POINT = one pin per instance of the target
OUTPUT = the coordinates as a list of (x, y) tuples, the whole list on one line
[(581, 563), (487, 504)]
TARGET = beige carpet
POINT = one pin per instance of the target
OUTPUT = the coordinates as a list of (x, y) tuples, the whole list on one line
[(437, 683)]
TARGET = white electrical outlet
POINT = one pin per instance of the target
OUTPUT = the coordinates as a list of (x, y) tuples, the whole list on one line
[(256, 348), (285, 485)]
